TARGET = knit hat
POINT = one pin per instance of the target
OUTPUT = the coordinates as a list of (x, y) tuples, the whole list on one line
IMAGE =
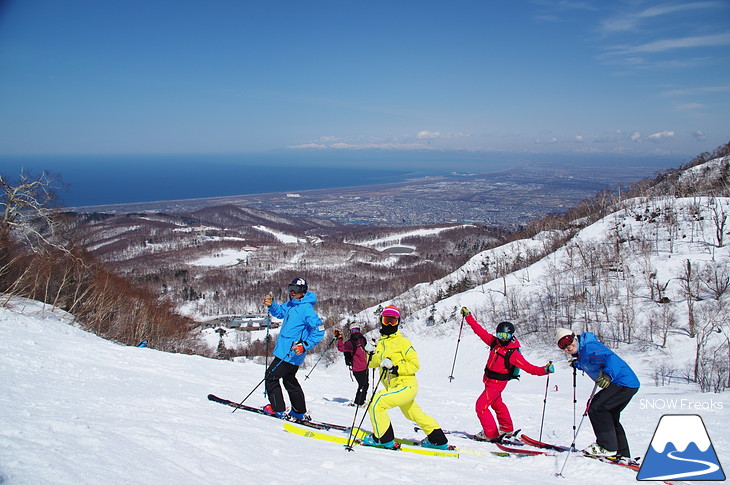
[(390, 310), (387, 327), (564, 337), (562, 332)]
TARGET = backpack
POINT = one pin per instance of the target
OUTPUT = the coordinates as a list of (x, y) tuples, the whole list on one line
[(513, 372), (357, 343)]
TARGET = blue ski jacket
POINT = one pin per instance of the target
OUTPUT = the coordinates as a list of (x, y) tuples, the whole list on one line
[(300, 324), (593, 358)]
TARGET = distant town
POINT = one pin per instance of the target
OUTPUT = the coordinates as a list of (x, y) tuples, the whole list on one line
[(503, 199)]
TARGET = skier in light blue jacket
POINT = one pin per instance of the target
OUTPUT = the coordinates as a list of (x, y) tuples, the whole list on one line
[(301, 329), (618, 385)]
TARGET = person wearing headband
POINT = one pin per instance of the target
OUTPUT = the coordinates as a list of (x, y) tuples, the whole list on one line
[(618, 384)]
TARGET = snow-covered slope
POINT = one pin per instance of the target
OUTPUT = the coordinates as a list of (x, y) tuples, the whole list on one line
[(76, 409)]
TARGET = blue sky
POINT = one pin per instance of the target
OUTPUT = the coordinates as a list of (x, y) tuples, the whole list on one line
[(230, 76)]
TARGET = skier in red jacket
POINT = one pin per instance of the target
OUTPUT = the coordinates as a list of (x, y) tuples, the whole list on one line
[(504, 356)]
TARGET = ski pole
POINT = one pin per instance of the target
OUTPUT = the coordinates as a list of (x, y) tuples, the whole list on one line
[(266, 374), (320, 357), (451, 376), (544, 403), (267, 338), (575, 436), (348, 447), (575, 398)]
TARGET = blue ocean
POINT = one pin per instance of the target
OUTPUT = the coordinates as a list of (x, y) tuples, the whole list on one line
[(103, 180), (122, 179)]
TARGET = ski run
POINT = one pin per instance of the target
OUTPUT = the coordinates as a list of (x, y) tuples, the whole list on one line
[(77, 409)]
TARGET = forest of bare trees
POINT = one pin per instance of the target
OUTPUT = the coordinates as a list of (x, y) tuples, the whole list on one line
[(127, 277)]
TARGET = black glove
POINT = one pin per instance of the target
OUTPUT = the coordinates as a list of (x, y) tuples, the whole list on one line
[(394, 371), (604, 380)]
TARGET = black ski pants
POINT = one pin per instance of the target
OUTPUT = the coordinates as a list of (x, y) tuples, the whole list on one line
[(605, 413), (286, 372), (361, 376)]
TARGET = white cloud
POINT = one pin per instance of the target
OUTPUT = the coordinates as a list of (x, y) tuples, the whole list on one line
[(661, 136), (631, 21), (679, 43), (699, 135), (697, 91), (428, 135), (309, 145), (636, 136), (689, 106)]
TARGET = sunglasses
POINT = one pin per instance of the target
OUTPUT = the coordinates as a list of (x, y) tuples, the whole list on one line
[(389, 320), (504, 336), (297, 288), (565, 341)]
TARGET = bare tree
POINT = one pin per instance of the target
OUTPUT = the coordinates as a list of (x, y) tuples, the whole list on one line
[(719, 218), (690, 288), (25, 200)]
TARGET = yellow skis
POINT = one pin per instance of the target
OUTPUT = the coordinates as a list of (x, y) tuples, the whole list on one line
[(311, 433)]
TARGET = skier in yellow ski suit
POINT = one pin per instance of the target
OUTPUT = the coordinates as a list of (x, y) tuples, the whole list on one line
[(398, 361)]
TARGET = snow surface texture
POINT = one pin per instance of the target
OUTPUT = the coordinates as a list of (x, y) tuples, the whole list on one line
[(77, 409)]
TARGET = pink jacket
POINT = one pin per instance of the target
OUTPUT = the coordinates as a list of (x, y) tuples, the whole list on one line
[(356, 344)]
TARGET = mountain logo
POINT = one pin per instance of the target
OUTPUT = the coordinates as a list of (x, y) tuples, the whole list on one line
[(681, 449)]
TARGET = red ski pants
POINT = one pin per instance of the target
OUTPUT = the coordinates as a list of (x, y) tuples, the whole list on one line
[(492, 397)]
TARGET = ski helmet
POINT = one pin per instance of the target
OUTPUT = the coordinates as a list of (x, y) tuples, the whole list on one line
[(505, 331), (355, 329), (298, 285)]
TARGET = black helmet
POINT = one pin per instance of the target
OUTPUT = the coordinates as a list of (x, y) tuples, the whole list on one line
[(298, 285), (505, 331)]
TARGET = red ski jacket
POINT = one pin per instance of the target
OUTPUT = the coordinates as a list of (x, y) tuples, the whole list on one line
[(496, 361)]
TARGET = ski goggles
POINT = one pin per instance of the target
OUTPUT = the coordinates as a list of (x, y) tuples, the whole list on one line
[(389, 320), (297, 288), (504, 335), (565, 341)]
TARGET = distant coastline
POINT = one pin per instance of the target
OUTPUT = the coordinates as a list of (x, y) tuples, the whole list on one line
[(163, 180)]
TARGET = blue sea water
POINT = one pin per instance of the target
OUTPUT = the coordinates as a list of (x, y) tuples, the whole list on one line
[(122, 179), (104, 180)]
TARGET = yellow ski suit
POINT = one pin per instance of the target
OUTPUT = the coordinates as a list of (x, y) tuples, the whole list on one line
[(399, 391)]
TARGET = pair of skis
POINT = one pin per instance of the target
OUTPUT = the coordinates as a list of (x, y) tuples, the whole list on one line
[(507, 447), (551, 449), (305, 422)]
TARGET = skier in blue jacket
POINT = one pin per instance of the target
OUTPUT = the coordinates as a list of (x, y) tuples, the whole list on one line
[(301, 329), (618, 385)]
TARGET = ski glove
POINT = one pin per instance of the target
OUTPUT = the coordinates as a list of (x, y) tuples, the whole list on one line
[(337, 333), (549, 368), (369, 348), (386, 363), (298, 348), (465, 311), (603, 380)]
